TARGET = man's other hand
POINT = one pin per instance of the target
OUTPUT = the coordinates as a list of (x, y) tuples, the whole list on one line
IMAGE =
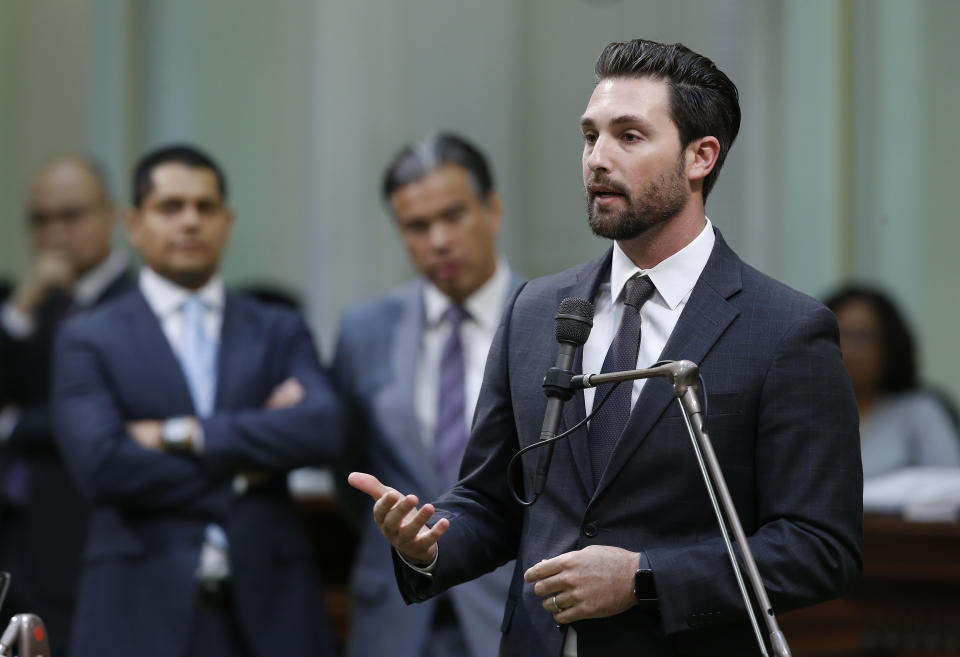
[(287, 394), (147, 433), (594, 582), (400, 521)]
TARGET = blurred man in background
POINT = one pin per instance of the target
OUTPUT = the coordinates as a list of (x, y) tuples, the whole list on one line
[(410, 365), (180, 408), (70, 219)]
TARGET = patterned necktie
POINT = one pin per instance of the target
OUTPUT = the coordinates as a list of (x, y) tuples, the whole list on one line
[(608, 423), (450, 437), (198, 356)]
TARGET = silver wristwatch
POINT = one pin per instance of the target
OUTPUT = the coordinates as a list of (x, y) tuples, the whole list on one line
[(177, 434)]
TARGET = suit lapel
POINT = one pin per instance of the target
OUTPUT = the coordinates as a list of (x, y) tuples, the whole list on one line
[(234, 349), (396, 398), (153, 350), (704, 319), (585, 287)]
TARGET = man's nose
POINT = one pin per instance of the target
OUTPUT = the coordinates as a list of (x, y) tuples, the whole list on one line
[(439, 235), (190, 217), (598, 159)]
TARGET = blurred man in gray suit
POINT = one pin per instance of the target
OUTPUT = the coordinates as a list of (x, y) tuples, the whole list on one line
[(410, 365)]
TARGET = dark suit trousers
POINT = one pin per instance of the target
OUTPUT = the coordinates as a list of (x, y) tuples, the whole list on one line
[(215, 631)]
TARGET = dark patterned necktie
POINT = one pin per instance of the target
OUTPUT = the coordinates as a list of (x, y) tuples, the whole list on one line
[(450, 436), (607, 425)]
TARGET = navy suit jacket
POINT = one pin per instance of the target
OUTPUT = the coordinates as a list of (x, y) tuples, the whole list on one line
[(375, 363), (139, 587), (783, 422)]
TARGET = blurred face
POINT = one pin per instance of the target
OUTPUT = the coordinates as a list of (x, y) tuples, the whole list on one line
[(634, 169), (861, 340), (183, 224), (68, 213), (449, 233)]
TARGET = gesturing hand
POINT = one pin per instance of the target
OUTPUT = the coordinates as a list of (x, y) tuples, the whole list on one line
[(594, 582), (400, 521)]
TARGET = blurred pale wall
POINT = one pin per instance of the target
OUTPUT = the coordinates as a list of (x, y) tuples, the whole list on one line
[(843, 168)]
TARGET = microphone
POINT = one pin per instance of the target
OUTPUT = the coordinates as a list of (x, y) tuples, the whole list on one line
[(27, 633), (573, 323)]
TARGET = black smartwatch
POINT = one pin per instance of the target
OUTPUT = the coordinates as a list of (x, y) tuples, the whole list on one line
[(644, 589)]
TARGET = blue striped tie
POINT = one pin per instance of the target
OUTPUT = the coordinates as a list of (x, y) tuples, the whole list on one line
[(450, 438)]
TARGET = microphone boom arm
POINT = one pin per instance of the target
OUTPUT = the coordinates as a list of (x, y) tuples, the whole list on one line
[(684, 375)]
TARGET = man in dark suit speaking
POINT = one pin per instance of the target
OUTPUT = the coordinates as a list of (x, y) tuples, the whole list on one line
[(622, 551), (180, 408)]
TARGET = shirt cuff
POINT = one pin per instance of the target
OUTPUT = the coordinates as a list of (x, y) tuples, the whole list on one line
[(17, 323), (423, 570)]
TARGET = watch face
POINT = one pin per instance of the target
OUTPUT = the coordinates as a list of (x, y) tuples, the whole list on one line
[(644, 588), (176, 432)]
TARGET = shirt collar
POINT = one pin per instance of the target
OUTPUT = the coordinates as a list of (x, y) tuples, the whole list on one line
[(166, 297), (484, 306), (94, 283), (673, 277)]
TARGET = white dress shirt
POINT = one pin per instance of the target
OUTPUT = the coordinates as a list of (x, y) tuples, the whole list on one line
[(674, 279), (166, 300), (485, 307)]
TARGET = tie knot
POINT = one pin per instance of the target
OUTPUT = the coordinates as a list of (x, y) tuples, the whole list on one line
[(637, 290), (455, 315), (193, 304)]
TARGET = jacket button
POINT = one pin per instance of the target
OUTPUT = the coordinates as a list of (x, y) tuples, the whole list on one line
[(590, 530)]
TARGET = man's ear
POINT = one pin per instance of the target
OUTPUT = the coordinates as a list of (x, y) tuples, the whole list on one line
[(702, 155)]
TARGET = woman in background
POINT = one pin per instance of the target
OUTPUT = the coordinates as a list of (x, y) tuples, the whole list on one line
[(901, 424)]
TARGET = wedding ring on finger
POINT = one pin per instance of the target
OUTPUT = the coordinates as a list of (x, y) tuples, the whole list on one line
[(556, 606)]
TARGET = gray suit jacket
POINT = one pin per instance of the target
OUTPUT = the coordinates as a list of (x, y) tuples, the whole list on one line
[(375, 364), (784, 426)]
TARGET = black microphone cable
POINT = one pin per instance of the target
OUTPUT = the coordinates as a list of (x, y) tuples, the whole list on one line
[(511, 467)]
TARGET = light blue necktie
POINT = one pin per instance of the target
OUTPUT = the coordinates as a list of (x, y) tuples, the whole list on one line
[(198, 356)]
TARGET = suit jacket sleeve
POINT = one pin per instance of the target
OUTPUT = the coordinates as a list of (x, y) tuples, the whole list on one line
[(24, 375), (109, 467), (280, 439), (808, 500)]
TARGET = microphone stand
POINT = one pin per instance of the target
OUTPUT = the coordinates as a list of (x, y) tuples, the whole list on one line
[(684, 375), (28, 634)]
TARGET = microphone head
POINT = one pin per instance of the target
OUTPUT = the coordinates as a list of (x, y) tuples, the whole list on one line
[(574, 320)]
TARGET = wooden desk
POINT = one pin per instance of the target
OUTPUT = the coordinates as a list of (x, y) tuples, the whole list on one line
[(906, 604)]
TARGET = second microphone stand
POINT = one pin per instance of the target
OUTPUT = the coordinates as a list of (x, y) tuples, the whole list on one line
[(684, 375)]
